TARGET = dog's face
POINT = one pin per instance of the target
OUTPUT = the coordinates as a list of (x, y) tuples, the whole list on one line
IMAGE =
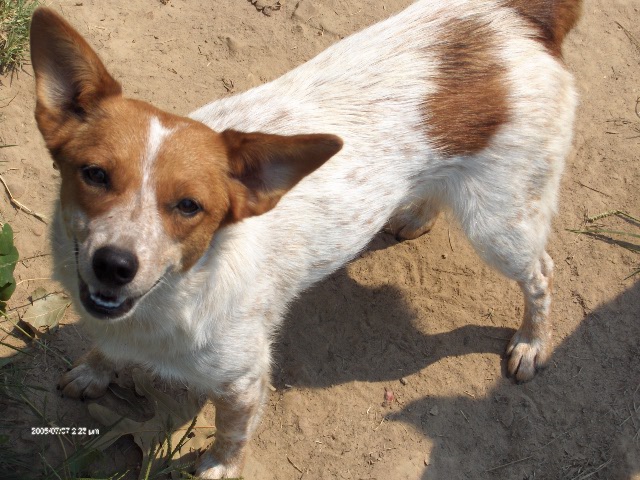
[(143, 191)]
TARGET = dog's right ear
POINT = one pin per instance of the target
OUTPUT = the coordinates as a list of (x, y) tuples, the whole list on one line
[(70, 78)]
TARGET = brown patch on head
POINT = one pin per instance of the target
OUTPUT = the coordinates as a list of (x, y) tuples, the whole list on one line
[(191, 164), (553, 19), (89, 127), (230, 176), (470, 103), (82, 116), (113, 138)]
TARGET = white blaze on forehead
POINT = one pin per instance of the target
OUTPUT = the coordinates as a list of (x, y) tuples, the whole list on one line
[(157, 135), (140, 228), (145, 216)]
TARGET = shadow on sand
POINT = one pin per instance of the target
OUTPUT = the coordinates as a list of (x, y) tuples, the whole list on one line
[(577, 419)]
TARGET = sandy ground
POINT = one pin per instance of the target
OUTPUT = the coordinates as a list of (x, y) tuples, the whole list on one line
[(425, 311)]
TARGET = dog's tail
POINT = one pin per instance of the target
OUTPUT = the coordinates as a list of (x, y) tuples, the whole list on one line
[(553, 18)]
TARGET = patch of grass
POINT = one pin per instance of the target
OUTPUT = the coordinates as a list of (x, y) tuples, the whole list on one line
[(601, 232), (13, 464), (15, 19)]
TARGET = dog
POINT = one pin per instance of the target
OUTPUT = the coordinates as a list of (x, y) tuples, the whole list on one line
[(182, 240)]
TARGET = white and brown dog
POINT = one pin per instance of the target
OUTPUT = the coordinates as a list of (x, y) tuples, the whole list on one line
[(183, 239)]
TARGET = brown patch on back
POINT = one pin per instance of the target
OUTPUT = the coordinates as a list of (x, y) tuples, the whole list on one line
[(553, 19), (470, 103)]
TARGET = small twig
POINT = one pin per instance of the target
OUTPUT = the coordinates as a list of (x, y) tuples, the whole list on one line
[(633, 420), (609, 214), (602, 230), (583, 477), (228, 85), (294, 465), (13, 309), (32, 280), (625, 421), (20, 206), (6, 105), (591, 188), (449, 234), (630, 36), (508, 464), (579, 371), (35, 256)]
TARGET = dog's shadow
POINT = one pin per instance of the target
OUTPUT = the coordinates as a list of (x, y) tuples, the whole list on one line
[(574, 419), (341, 331)]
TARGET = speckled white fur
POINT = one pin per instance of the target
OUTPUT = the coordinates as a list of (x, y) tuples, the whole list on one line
[(212, 326)]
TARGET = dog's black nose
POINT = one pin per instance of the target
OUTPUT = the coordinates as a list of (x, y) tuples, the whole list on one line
[(114, 267)]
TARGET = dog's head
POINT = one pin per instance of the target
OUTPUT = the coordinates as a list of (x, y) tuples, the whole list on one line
[(144, 191)]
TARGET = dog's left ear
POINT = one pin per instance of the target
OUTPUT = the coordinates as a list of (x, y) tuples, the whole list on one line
[(264, 167)]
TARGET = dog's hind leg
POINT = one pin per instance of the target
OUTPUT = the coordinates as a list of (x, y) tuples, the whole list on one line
[(413, 220), (529, 347), (510, 233)]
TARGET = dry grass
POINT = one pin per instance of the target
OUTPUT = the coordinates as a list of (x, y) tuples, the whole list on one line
[(15, 19)]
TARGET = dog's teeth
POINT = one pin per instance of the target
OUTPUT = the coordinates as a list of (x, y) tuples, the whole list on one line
[(107, 303)]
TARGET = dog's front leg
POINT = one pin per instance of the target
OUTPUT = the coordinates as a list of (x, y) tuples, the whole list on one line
[(89, 377), (238, 413)]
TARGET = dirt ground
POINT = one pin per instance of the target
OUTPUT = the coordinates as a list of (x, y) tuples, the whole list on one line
[(425, 319)]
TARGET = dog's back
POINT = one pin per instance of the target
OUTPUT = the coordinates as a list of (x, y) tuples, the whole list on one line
[(439, 102)]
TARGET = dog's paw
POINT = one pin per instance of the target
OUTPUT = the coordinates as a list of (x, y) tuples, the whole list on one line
[(409, 230), (526, 354), (85, 381), (208, 467)]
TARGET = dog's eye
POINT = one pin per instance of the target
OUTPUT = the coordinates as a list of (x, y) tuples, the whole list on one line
[(188, 207), (95, 176)]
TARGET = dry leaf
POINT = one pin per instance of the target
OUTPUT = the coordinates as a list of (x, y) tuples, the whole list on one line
[(46, 311), (160, 436)]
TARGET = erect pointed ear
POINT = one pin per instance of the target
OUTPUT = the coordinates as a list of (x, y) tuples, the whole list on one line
[(264, 167), (70, 78)]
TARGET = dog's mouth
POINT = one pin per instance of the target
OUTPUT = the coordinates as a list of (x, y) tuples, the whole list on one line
[(106, 305)]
